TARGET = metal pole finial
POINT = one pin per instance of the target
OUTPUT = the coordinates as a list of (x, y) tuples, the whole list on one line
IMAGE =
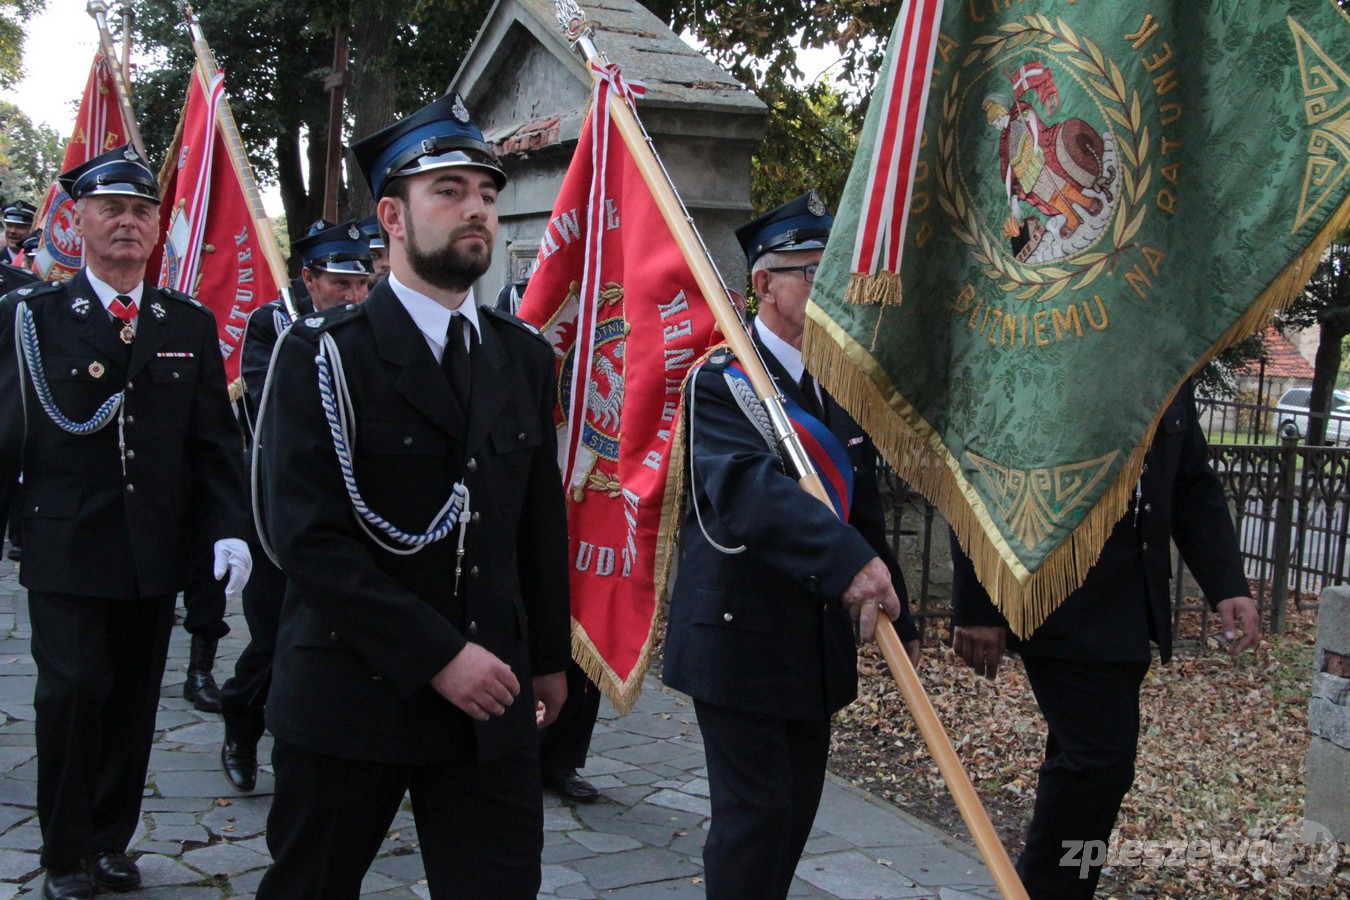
[(96, 8), (571, 20)]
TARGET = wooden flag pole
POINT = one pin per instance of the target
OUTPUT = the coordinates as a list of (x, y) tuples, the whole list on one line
[(578, 31), (262, 225), (99, 10)]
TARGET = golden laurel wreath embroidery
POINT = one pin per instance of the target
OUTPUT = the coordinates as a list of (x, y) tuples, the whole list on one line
[(1107, 80)]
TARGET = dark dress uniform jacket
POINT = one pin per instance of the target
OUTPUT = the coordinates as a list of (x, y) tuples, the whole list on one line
[(364, 630), (1126, 600), (89, 529), (763, 630), (264, 325), (12, 277)]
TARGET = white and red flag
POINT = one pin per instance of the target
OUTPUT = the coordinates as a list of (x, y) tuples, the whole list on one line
[(616, 298), (99, 127), (211, 248)]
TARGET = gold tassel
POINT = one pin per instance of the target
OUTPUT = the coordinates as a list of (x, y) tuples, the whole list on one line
[(869, 290), (237, 389)]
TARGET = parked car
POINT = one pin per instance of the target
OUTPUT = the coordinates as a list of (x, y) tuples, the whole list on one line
[(1292, 413)]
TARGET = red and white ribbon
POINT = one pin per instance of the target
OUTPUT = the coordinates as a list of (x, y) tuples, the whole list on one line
[(895, 150)]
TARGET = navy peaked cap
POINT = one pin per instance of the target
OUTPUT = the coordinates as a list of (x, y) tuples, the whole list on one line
[(800, 224), (120, 171), (439, 135), (340, 249)]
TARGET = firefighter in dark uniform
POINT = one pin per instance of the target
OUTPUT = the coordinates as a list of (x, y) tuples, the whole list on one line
[(12, 277), (771, 581), (336, 265), (403, 663), (1086, 662), (116, 411), (18, 222)]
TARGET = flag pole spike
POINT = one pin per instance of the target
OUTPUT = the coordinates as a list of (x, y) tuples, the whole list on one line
[(267, 239), (581, 35), (98, 9)]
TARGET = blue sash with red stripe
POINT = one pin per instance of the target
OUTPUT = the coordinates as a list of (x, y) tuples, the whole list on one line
[(827, 453)]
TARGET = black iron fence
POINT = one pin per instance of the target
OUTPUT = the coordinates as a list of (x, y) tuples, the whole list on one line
[(1290, 504)]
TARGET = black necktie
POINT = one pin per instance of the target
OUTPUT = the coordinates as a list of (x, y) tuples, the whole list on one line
[(455, 361), (812, 405)]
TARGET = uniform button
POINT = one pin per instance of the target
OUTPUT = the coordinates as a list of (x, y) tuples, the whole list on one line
[(74, 372), (131, 454), (471, 465), (473, 572), (521, 437), (333, 636), (407, 441), (131, 488), (475, 517), (1145, 545), (813, 583), (36, 508), (1145, 467), (130, 385), (175, 375), (130, 420), (1148, 507), (473, 628), (727, 617)]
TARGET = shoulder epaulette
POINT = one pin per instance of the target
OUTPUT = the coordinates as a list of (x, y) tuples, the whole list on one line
[(512, 320), (182, 298), (719, 358), (316, 323), (37, 289)]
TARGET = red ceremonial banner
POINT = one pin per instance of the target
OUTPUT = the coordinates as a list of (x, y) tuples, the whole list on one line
[(617, 300), (98, 128), (211, 248)]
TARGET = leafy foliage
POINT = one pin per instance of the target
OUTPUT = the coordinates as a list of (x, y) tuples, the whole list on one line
[(13, 13), (1325, 302), (30, 156)]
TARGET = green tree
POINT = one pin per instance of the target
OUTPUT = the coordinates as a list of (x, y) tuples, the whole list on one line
[(13, 15), (277, 55), (1325, 302), (30, 156)]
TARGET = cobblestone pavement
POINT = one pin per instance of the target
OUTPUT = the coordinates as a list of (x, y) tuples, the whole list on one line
[(200, 841)]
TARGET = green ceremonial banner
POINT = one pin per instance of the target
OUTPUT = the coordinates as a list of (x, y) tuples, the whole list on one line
[(1105, 196)]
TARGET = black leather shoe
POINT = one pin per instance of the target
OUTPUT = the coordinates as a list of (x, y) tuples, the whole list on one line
[(567, 783), (239, 762), (115, 871), (15, 553), (202, 690), (200, 686), (69, 885)]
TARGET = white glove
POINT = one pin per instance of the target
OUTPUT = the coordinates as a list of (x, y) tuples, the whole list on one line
[(232, 555)]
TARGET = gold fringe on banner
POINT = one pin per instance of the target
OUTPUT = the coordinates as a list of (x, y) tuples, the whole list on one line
[(868, 290), (915, 450), (624, 693)]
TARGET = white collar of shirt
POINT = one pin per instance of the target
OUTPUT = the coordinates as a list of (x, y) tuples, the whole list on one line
[(106, 293), (433, 319), (786, 354)]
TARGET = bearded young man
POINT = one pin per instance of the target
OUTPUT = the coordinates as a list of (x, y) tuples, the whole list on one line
[(426, 611)]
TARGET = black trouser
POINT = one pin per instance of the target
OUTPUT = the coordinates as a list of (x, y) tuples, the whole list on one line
[(565, 743), (100, 663), (243, 698), (1092, 711), (480, 826), (765, 776), (204, 597)]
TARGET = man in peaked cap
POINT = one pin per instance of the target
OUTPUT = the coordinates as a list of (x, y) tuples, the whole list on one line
[(336, 260), (128, 451), (336, 264), (18, 219), (379, 251), (427, 671), (763, 640)]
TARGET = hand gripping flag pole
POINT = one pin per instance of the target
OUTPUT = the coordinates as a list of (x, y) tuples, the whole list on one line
[(579, 33)]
